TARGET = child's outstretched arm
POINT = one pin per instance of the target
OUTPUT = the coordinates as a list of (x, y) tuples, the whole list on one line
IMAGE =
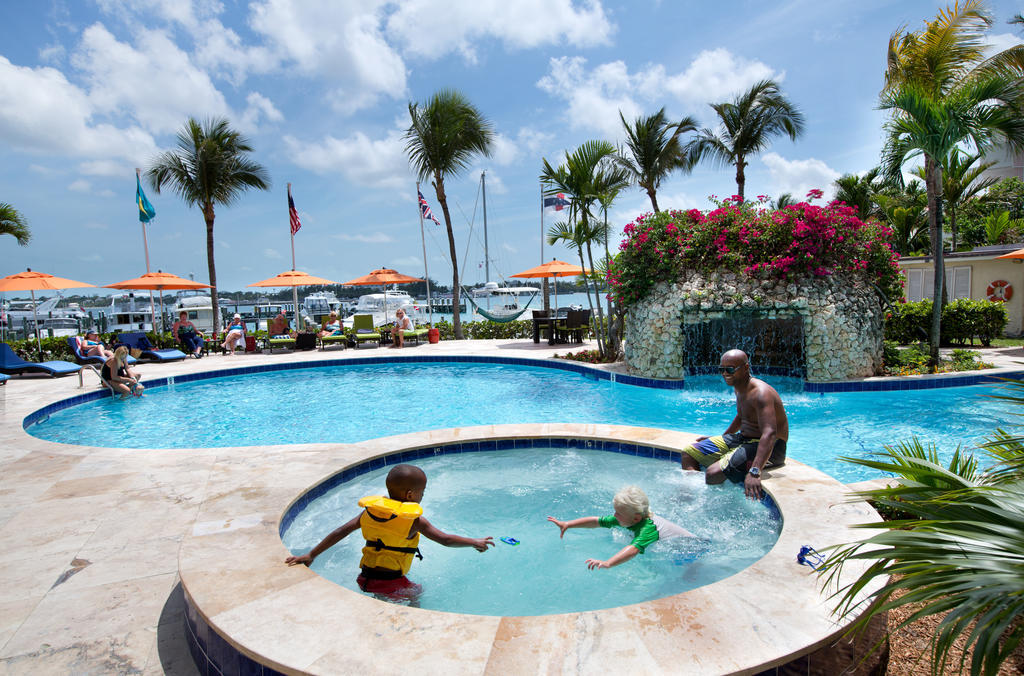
[(336, 536), (625, 554), (448, 540), (582, 522)]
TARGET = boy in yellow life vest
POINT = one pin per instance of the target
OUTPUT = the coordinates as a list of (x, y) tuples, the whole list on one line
[(392, 527)]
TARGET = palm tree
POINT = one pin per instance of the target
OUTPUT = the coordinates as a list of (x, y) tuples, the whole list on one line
[(210, 166), (859, 191), (784, 200), (587, 174), (957, 553), (943, 92), (444, 136), (747, 126), (654, 150), (13, 223), (961, 182)]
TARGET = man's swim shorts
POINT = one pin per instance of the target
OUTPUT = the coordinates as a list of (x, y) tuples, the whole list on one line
[(734, 453)]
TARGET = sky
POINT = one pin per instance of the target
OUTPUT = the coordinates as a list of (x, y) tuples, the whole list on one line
[(92, 89)]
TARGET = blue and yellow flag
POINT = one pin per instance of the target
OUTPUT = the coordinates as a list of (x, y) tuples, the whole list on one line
[(146, 210)]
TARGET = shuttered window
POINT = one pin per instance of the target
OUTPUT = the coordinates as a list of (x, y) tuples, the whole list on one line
[(921, 283)]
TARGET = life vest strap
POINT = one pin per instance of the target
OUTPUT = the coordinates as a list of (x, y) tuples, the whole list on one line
[(379, 545)]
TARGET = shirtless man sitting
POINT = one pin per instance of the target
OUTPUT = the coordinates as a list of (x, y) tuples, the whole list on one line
[(756, 438)]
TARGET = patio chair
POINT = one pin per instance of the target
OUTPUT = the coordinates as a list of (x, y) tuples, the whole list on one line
[(136, 340), (364, 331), (416, 334), (280, 340), (339, 339), (573, 327), (12, 364), (75, 343)]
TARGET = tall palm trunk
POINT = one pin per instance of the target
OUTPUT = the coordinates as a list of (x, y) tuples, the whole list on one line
[(613, 333), (741, 176), (933, 183), (208, 216), (601, 344), (442, 199), (654, 200)]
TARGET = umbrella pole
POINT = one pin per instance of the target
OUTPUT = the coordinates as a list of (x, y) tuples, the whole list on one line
[(39, 343)]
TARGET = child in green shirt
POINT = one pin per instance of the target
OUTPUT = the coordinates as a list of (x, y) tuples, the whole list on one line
[(632, 511)]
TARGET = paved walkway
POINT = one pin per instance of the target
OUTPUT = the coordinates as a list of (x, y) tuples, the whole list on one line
[(88, 570)]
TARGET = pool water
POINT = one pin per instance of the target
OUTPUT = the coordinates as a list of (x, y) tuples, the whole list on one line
[(511, 494), (353, 403)]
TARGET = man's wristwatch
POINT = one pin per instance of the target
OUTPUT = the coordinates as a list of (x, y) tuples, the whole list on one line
[(755, 472)]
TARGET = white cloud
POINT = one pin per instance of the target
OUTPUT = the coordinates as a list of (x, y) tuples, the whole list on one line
[(406, 262), (431, 29), (272, 254), (380, 163), (374, 238), (80, 186), (52, 54), (121, 79), (259, 107), (797, 177), (104, 168), (342, 41), (595, 97), (41, 111), (509, 248), (997, 42)]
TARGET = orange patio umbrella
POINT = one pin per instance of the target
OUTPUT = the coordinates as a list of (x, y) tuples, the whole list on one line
[(383, 276), (158, 281), (1019, 253), (294, 279), (553, 268), (38, 281)]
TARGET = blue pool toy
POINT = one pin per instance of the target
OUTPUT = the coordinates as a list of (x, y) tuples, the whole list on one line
[(510, 541), (807, 556)]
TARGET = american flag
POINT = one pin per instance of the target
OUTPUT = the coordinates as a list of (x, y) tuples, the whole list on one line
[(293, 215), (425, 208)]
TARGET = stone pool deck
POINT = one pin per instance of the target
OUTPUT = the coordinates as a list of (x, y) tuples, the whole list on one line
[(92, 536)]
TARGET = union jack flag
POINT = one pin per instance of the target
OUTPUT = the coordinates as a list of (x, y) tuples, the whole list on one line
[(425, 208), (293, 215)]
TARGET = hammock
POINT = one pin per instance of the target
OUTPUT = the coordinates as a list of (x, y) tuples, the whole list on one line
[(494, 316)]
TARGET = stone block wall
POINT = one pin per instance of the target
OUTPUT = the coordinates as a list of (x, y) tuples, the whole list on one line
[(842, 319)]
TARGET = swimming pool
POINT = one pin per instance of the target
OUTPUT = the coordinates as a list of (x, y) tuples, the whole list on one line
[(510, 493), (355, 402)]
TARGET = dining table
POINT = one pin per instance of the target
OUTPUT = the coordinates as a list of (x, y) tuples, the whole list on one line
[(540, 323)]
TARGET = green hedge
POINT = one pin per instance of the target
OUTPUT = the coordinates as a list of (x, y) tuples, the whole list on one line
[(56, 348), (962, 321)]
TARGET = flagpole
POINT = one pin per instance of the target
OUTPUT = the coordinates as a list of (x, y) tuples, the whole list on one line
[(544, 283), (145, 247), (426, 274), (295, 289)]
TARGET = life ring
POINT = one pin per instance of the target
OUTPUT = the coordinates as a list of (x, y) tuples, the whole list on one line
[(1000, 290)]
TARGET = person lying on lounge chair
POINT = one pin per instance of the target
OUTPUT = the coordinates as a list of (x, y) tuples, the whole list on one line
[(117, 375), (279, 326), (91, 346)]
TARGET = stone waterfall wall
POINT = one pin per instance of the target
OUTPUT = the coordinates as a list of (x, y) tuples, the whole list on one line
[(842, 320)]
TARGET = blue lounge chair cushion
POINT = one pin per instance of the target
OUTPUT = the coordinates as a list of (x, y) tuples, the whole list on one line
[(11, 363), (4, 378), (136, 340)]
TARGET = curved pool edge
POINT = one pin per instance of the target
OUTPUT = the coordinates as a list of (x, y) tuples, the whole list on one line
[(245, 604)]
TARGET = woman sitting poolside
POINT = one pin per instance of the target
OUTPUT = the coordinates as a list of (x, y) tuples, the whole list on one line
[(188, 335), (332, 327), (235, 335), (116, 374)]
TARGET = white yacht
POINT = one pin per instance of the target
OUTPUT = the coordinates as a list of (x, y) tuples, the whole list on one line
[(383, 311), (319, 304), (129, 311), (502, 302), (62, 321)]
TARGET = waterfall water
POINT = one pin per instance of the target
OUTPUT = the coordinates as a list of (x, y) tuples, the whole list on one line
[(775, 345)]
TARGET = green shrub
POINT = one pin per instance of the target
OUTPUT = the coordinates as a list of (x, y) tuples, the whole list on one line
[(962, 321)]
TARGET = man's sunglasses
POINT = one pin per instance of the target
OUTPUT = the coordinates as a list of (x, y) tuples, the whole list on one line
[(730, 369)]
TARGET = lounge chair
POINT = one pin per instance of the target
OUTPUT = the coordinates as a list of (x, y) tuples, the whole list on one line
[(340, 339), (4, 378), (74, 342), (280, 341), (364, 331), (12, 364), (136, 340), (416, 334)]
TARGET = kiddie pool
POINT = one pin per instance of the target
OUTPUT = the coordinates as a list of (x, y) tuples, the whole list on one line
[(247, 611)]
